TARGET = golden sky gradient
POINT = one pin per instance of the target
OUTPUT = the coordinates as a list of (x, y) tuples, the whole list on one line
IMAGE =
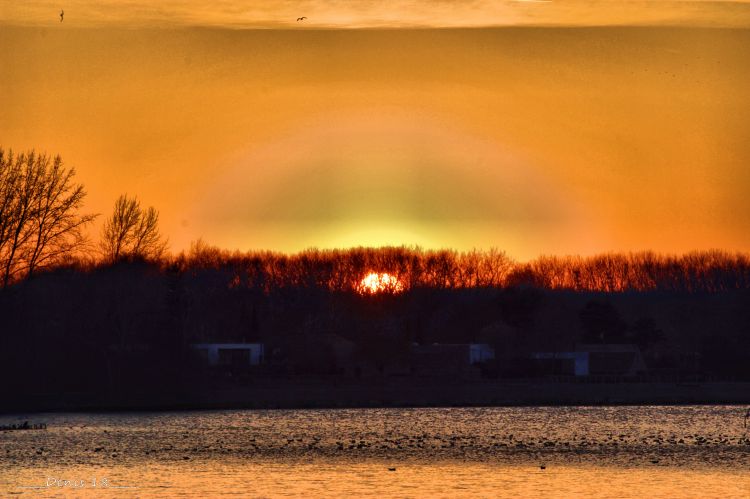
[(574, 139), (377, 13)]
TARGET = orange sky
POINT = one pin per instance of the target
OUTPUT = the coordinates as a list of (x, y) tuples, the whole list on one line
[(376, 13), (535, 140)]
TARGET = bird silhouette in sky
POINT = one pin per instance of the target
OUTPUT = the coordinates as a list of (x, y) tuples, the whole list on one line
[(301, 18), (62, 13)]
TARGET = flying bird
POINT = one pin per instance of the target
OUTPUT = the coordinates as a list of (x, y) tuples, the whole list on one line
[(62, 13), (301, 18)]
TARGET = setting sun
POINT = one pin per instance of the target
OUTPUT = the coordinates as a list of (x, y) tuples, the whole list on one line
[(374, 283)]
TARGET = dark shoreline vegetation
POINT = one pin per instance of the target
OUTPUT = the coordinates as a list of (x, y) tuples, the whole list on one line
[(278, 393), (111, 325)]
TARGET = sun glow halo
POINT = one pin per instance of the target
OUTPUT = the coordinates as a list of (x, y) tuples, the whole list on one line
[(375, 283)]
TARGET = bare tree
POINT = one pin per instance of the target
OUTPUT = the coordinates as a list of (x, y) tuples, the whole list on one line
[(132, 232), (39, 220)]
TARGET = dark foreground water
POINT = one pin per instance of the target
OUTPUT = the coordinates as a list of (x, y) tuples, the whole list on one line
[(694, 451)]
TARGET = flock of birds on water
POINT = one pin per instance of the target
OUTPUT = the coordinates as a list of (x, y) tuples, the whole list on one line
[(23, 426), (654, 448)]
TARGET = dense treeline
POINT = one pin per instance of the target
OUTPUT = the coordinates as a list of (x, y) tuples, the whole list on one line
[(129, 326), (342, 270), (121, 315), (41, 228), (699, 271)]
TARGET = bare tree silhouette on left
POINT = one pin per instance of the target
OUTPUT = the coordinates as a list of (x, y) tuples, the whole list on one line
[(39, 221)]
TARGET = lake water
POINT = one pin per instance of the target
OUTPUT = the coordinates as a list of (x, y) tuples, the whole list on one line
[(692, 451)]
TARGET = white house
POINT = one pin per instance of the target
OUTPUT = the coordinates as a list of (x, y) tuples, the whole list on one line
[(250, 354)]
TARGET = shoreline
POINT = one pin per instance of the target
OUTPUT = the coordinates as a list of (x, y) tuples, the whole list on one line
[(266, 395)]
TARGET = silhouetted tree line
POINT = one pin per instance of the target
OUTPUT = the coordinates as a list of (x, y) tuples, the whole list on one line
[(41, 228), (342, 270), (121, 318), (128, 326), (699, 271)]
